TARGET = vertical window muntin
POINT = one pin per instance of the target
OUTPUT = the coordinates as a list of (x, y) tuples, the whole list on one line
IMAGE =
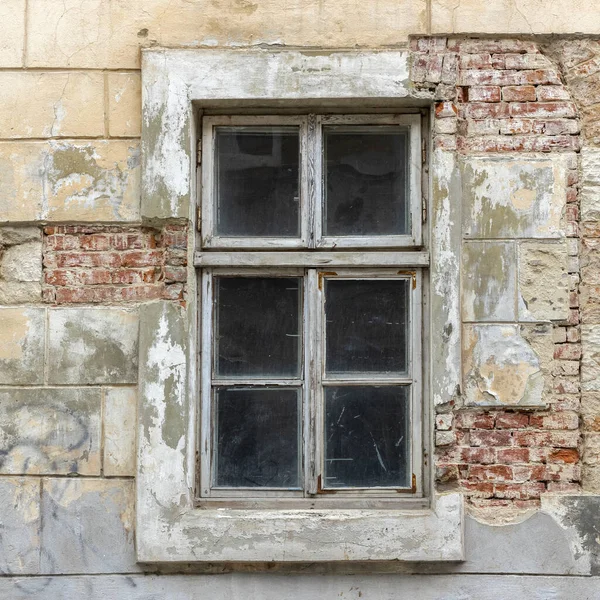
[(314, 381)]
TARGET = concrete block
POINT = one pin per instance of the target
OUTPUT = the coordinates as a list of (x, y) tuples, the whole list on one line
[(489, 274), (48, 104), (590, 360), (502, 16), (22, 333), (93, 345), (64, 181), (21, 522), (544, 281), (87, 526), (514, 197), (124, 104), (12, 17), (50, 431), (501, 367), (99, 34), (120, 410), (22, 262)]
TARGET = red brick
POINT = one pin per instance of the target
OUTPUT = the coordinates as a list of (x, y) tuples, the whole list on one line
[(485, 110), (475, 61), (491, 472), (512, 420), (516, 126), (543, 109), (484, 94), (572, 213), (526, 61), (566, 385), (567, 351), (62, 242), (83, 259), (479, 455), (573, 334), (563, 487), (176, 257), (523, 491), (175, 291), (445, 142), (498, 61), (564, 455), (474, 420), (562, 420), (450, 69), (522, 93), (98, 242), (481, 437), (479, 489), (547, 93), (557, 439), (427, 67), (135, 276), (512, 455), (520, 144), (503, 46), (429, 44), (140, 258), (445, 109), (538, 77), (571, 198), (173, 274)]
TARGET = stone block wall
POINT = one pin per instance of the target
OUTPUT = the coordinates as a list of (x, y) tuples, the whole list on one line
[(519, 111)]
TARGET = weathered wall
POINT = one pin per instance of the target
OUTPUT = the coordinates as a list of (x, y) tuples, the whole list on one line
[(520, 111)]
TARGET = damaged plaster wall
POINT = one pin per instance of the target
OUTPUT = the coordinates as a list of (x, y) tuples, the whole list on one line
[(515, 205)]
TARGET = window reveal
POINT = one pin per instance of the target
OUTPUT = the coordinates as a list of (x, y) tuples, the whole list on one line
[(311, 375)]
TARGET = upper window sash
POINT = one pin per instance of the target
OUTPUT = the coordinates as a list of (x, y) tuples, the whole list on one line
[(313, 131)]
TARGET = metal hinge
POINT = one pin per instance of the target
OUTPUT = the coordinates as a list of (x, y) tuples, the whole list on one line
[(199, 152), (199, 218), (424, 211), (423, 152)]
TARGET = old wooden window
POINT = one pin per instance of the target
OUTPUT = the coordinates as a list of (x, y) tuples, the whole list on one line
[(312, 267)]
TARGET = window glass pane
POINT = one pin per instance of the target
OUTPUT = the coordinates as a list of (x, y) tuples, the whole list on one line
[(257, 438), (366, 325), (257, 181), (367, 436), (366, 181), (258, 330)]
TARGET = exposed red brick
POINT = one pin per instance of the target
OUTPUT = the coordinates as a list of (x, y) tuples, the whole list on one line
[(491, 438), (474, 420), (512, 455), (520, 93), (547, 93), (490, 93), (519, 491), (476, 61), (512, 420), (543, 109), (563, 420), (491, 472)]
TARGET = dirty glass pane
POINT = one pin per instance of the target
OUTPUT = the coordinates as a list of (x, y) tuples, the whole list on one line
[(257, 181), (366, 184), (258, 331), (366, 325), (257, 435), (367, 436)]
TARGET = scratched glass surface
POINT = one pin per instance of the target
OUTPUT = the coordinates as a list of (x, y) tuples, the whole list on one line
[(366, 436), (366, 181), (258, 438), (366, 326), (258, 330), (257, 181)]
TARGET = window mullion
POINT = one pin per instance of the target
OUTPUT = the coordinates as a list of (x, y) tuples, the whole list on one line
[(314, 179), (206, 382), (312, 330)]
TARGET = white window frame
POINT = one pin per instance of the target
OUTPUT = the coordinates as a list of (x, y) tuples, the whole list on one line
[(170, 527)]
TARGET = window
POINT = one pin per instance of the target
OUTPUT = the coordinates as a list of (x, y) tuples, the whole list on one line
[(311, 374), (173, 525)]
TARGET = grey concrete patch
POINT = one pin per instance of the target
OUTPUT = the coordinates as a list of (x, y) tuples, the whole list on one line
[(269, 586), (19, 526), (87, 526), (22, 333), (93, 345), (50, 431)]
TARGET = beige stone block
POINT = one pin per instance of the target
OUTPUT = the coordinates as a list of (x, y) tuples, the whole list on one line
[(489, 277), (12, 17), (98, 33), (590, 184), (51, 104), (70, 181), (124, 104), (590, 360), (50, 431), (501, 367), (544, 281), (590, 411), (9, 236), (93, 345), (120, 410), (20, 292), (22, 333), (514, 16), (514, 197), (22, 262)]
